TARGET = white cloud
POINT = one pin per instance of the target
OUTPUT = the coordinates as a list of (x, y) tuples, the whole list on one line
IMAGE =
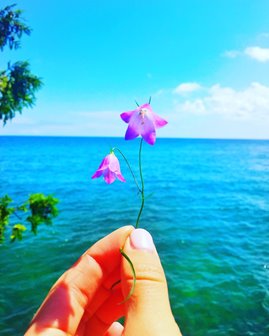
[(264, 35), (158, 93), (255, 52), (258, 53), (186, 88), (213, 111), (85, 123), (250, 103), (231, 53)]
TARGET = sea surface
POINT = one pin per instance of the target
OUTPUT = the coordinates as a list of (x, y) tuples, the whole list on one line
[(209, 216)]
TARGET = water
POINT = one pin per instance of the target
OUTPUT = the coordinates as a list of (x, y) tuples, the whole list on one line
[(209, 216)]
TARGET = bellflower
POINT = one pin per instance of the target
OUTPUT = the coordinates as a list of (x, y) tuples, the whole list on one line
[(142, 121), (110, 169)]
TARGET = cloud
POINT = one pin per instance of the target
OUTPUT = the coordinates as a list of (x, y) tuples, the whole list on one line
[(84, 123), (264, 35), (186, 88), (231, 53), (255, 52), (258, 53), (208, 111), (247, 104)]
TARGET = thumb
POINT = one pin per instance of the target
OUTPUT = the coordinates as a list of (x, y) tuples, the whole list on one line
[(148, 309)]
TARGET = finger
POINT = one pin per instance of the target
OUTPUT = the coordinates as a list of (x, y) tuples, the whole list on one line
[(65, 304), (102, 306), (116, 329), (109, 312), (103, 293), (148, 309)]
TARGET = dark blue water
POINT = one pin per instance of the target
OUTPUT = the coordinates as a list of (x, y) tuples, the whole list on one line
[(209, 216)]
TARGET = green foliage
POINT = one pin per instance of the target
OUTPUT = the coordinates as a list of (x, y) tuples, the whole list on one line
[(12, 27), (17, 231), (43, 209), (39, 208), (5, 212), (17, 89), (17, 84)]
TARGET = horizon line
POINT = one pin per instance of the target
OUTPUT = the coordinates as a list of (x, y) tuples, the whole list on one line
[(118, 137)]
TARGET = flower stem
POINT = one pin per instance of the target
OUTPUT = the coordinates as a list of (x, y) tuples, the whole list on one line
[(134, 276), (128, 165), (142, 186)]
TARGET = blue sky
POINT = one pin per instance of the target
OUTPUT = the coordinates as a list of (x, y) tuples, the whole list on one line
[(205, 63)]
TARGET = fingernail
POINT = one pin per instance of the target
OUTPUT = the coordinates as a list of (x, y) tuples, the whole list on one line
[(141, 239)]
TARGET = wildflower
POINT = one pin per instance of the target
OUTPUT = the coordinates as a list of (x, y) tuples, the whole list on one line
[(142, 121), (110, 169)]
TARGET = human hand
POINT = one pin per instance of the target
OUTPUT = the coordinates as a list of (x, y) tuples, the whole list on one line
[(82, 303)]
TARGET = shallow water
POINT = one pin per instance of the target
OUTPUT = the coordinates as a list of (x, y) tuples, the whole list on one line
[(209, 217)]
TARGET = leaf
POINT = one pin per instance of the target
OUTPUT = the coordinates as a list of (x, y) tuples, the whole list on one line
[(17, 231), (17, 90), (43, 209)]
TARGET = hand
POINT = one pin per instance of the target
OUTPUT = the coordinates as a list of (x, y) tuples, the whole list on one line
[(82, 303)]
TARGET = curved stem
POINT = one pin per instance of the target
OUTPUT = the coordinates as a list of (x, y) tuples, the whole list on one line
[(128, 165), (142, 186), (134, 276)]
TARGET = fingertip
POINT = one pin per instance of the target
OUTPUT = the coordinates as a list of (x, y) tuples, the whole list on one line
[(116, 329), (141, 239)]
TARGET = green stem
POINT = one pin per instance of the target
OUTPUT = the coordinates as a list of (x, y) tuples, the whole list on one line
[(134, 276), (142, 186), (128, 165)]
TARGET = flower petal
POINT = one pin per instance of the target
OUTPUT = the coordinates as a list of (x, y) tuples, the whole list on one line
[(131, 133), (120, 177), (148, 130), (109, 176), (145, 106), (103, 165), (158, 121), (149, 136), (126, 116), (97, 174), (114, 167), (114, 164)]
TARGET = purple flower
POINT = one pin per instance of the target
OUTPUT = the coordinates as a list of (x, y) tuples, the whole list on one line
[(142, 121), (110, 169)]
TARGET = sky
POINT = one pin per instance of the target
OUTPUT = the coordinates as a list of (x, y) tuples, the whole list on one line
[(205, 63)]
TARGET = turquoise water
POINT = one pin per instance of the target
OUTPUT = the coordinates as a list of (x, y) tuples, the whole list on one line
[(209, 216)]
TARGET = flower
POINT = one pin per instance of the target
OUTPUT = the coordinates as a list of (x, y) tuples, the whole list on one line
[(142, 121), (110, 169)]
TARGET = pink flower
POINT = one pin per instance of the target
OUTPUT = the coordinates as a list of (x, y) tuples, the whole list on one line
[(110, 169), (142, 121)]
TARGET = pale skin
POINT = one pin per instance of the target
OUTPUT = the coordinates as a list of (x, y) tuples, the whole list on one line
[(82, 303)]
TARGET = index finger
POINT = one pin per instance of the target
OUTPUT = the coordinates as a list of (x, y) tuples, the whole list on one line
[(64, 306)]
